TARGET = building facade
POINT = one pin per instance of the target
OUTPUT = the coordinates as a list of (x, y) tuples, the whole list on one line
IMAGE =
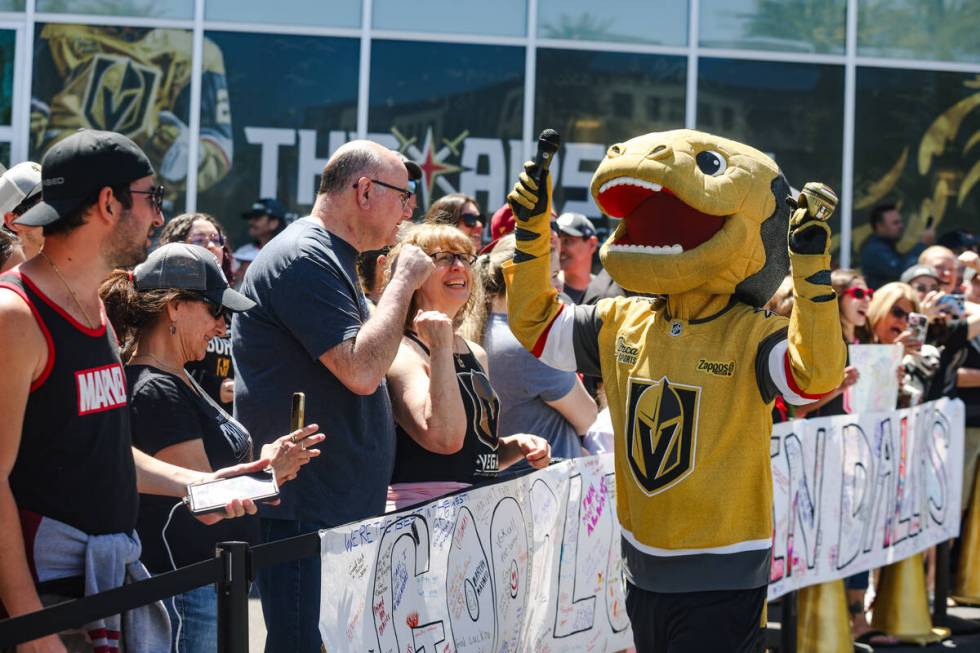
[(878, 98)]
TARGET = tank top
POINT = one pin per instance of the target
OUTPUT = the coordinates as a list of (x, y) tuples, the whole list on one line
[(75, 462), (477, 460)]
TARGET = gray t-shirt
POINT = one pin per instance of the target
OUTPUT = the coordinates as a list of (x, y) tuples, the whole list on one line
[(305, 285), (524, 384)]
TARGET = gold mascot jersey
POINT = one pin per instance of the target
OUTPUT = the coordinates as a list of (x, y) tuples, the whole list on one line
[(691, 409)]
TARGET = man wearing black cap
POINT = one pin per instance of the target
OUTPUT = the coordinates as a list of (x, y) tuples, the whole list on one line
[(578, 247), (66, 460), (312, 331)]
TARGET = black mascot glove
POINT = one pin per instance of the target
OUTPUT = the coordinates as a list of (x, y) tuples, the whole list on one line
[(809, 232)]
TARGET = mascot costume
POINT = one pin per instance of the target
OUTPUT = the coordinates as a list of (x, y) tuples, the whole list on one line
[(709, 230)]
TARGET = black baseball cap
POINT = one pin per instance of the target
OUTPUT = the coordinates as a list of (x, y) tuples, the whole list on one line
[(77, 167), (266, 206), (180, 266)]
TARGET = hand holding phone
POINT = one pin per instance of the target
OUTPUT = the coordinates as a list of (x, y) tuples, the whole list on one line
[(213, 496), (918, 326)]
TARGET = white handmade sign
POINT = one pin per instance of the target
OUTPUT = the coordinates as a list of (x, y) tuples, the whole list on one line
[(856, 492), (528, 565), (877, 386), (534, 564)]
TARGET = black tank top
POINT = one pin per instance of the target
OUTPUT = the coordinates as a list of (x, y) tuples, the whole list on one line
[(477, 460), (75, 463)]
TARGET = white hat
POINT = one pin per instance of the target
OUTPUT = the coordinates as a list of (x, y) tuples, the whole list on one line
[(19, 183)]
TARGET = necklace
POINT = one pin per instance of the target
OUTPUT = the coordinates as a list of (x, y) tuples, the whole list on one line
[(88, 320)]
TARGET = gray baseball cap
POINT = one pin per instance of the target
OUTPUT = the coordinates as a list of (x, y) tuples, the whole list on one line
[(919, 271), (575, 224), (18, 184), (179, 266)]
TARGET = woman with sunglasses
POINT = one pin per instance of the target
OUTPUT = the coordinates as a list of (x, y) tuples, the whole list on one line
[(460, 211), (215, 372), (445, 409), (164, 313)]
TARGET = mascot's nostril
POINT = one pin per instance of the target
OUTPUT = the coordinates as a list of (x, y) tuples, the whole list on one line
[(659, 152), (615, 150)]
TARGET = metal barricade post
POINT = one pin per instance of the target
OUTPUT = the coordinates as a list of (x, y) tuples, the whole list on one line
[(233, 597)]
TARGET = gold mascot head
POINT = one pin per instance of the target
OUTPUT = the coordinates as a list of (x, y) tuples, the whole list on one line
[(699, 213)]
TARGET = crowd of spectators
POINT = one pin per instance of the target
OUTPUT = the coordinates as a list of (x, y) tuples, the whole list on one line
[(393, 324)]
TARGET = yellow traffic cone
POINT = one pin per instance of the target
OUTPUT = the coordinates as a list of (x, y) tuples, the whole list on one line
[(967, 590), (901, 607), (822, 623)]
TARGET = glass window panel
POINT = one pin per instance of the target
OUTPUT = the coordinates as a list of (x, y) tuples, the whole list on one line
[(141, 8), (801, 26), (915, 135), (790, 111), (12, 5), (624, 21), (339, 13), (132, 80), (8, 50), (460, 115), (943, 30), (270, 117), (501, 17), (5, 154), (595, 99)]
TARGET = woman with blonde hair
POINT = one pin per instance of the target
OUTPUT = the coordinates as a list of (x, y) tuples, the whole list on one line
[(444, 405)]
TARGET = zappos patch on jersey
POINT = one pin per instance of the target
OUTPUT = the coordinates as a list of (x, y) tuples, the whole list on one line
[(661, 432)]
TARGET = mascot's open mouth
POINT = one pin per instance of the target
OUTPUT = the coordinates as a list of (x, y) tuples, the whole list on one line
[(656, 221)]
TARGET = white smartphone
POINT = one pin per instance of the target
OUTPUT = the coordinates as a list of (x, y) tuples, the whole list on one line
[(918, 325), (213, 496)]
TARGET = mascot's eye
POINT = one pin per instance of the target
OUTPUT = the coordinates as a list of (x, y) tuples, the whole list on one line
[(711, 163)]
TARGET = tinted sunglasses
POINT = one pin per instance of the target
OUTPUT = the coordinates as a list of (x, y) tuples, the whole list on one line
[(204, 241), (860, 293), (214, 309), (155, 196), (898, 313), (471, 219)]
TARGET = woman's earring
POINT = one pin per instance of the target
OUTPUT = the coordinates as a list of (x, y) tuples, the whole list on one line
[(173, 328)]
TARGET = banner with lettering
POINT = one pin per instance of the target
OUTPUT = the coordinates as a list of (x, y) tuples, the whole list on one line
[(857, 492), (532, 564)]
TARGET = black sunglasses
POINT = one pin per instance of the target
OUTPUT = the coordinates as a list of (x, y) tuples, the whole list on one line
[(898, 313), (471, 219), (156, 196), (216, 310)]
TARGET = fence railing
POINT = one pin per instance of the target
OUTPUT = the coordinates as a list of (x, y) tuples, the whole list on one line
[(234, 566)]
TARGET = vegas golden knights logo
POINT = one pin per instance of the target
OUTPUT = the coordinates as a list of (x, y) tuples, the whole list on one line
[(661, 432), (119, 94)]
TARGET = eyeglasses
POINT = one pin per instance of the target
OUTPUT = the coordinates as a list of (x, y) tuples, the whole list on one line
[(898, 313), (156, 196), (406, 193), (471, 219), (860, 293), (204, 241), (447, 259)]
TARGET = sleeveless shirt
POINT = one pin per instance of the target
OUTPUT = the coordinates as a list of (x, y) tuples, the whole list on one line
[(75, 462), (478, 459)]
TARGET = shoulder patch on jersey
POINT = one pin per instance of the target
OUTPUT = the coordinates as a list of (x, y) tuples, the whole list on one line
[(626, 353), (661, 432)]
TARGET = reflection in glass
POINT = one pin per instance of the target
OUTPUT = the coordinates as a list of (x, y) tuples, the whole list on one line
[(595, 99), (790, 111), (338, 13), (800, 26), (915, 135), (292, 101), (8, 48), (624, 21), (460, 115), (11, 5), (944, 30), (132, 80), (141, 8), (501, 17)]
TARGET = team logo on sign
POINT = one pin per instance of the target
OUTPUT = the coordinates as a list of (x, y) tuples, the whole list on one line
[(101, 388), (119, 94), (661, 432)]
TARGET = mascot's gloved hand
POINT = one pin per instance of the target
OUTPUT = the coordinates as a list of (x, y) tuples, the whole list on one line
[(532, 208), (808, 229)]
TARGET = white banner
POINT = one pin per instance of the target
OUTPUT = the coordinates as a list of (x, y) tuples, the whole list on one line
[(533, 564), (857, 492)]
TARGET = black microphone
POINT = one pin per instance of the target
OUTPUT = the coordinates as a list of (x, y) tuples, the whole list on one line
[(548, 143)]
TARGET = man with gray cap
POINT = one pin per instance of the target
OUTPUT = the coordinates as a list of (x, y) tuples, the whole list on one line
[(312, 331), (68, 471), (20, 190), (578, 247)]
